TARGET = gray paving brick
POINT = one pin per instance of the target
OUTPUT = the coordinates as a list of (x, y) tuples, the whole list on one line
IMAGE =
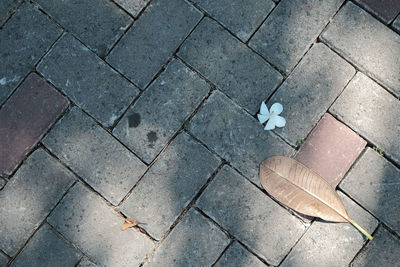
[(309, 91), (250, 215), (372, 112), (171, 183), (7, 7), (85, 219), (2, 183), (98, 23), (240, 17), (367, 43), (383, 251), (159, 113), (86, 263), (374, 183), (235, 135), (94, 155), (153, 39), (24, 39), (229, 64), (396, 24), (3, 259), (332, 244), (134, 7), (237, 256), (29, 197), (195, 241), (291, 28), (87, 80), (46, 248)]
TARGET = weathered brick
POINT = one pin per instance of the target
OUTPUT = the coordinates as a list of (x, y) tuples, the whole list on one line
[(383, 251), (94, 155), (153, 39), (236, 136), (386, 10), (291, 28), (250, 215), (171, 183), (7, 7), (29, 197), (367, 43), (134, 7), (25, 118), (332, 244), (240, 17), (331, 149), (84, 219), (47, 249), (396, 24), (162, 109), (372, 112), (87, 80), (309, 91), (374, 183), (195, 241), (237, 255), (86, 263), (98, 23), (230, 65), (24, 39), (2, 183), (3, 259)]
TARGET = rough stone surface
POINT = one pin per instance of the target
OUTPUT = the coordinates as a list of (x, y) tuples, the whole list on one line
[(25, 118), (7, 7), (153, 39), (171, 183), (237, 256), (291, 28), (195, 241), (372, 112), (134, 7), (367, 43), (47, 249), (87, 80), (396, 24), (331, 149), (230, 65), (309, 91), (29, 197), (94, 155), (95, 228), (236, 136), (240, 17), (332, 244), (386, 10), (98, 23), (161, 110), (2, 183), (24, 39), (375, 184), (250, 215), (383, 251), (86, 263), (3, 259)]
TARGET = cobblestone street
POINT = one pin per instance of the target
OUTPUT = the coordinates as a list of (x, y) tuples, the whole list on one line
[(147, 109)]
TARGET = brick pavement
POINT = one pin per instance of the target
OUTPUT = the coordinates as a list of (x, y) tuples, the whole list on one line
[(146, 109)]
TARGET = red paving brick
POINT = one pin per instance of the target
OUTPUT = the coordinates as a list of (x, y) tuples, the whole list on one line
[(387, 10), (331, 149), (25, 117)]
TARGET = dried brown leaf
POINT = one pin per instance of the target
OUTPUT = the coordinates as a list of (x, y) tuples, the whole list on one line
[(129, 222)]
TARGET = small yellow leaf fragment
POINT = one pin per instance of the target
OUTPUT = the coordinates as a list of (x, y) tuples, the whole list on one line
[(129, 222)]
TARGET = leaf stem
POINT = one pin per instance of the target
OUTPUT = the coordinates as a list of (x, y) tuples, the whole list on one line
[(360, 229)]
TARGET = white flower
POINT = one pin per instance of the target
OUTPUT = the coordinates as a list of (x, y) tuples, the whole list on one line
[(272, 115)]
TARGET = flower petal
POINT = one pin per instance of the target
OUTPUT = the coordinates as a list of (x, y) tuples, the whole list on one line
[(280, 121), (276, 108), (264, 109), (270, 124), (262, 118)]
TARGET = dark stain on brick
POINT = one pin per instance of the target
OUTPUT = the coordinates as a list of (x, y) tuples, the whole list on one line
[(151, 138), (134, 120)]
